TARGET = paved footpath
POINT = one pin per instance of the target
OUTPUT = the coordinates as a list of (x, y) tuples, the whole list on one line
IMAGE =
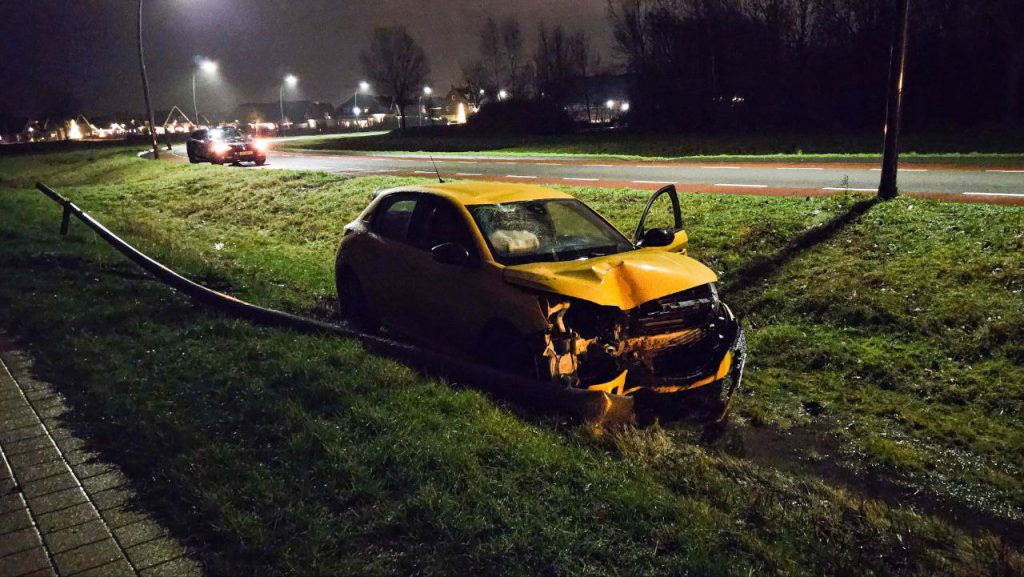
[(62, 511)]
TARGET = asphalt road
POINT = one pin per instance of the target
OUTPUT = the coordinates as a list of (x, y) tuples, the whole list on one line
[(948, 182)]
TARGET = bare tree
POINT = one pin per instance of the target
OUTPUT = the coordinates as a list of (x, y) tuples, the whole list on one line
[(474, 81), (512, 50), (397, 65), (490, 51)]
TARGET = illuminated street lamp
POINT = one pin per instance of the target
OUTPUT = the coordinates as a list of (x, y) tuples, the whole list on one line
[(205, 65), (502, 94), (427, 91), (290, 80), (364, 86)]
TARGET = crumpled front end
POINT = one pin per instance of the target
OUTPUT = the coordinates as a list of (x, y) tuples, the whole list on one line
[(679, 342)]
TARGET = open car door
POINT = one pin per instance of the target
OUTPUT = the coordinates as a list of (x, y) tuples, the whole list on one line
[(661, 224)]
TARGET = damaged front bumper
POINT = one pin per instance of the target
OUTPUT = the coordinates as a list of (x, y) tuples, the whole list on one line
[(682, 342), (727, 373)]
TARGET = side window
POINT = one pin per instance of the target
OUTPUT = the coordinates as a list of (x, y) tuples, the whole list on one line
[(392, 218), (441, 223), (199, 135)]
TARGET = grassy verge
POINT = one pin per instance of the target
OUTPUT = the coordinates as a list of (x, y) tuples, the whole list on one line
[(900, 336), (981, 148)]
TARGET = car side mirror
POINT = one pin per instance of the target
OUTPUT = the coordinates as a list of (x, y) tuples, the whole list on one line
[(450, 253), (658, 237)]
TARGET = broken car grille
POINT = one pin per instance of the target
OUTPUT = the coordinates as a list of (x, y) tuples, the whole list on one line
[(688, 309)]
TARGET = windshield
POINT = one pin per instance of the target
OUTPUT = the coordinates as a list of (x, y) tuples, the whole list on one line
[(227, 133), (546, 231)]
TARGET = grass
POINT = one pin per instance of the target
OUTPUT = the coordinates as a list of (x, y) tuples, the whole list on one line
[(280, 453), (994, 148)]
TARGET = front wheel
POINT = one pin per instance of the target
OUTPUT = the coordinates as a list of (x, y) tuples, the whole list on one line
[(261, 161), (506, 349)]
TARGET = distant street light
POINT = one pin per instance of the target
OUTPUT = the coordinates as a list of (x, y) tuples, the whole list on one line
[(364, 86), (208, 66), (427, 91), (145, 90), (624, 107), (610, 104), (290, 80), (502, 94)]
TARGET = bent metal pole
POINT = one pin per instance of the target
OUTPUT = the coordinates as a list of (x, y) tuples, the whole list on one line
[(887, 188)]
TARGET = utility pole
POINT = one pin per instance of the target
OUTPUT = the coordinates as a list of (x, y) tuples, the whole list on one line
[(887, 188), (145, 90)]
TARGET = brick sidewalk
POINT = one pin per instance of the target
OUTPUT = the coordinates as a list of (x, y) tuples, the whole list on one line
[(63, 512)]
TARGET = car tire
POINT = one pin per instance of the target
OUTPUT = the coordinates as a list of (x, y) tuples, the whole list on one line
[(504, 348), (352, 304), (192, 157), (261, 161)]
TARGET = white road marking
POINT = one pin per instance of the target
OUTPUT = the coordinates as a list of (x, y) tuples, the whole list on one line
[(599, 165), (722, 167), (424, 171), (548, 164), (652, 182), (469, 174), (1007, 171), (581, 179), (851, 189), (518, 176), (798, 168), (995, 194), (744, 185), (903, 170)]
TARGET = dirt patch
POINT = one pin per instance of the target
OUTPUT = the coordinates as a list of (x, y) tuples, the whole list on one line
[(817, 451)]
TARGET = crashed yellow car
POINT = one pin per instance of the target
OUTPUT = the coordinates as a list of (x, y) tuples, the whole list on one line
[(532, 281)]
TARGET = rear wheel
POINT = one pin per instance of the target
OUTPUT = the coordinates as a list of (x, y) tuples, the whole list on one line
[(352, 303)]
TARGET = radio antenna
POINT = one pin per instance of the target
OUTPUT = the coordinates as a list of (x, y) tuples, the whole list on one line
[(437, 172)]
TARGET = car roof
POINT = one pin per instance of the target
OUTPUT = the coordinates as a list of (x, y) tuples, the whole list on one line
[(474, 192)]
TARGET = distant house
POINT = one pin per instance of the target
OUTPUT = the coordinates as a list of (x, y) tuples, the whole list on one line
[(266, 115), (456, 107), (365, 111)]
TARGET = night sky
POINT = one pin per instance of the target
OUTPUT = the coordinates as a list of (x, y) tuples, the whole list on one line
[(87, 47)]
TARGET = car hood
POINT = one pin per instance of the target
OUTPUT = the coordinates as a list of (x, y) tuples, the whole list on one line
[(624, 280)]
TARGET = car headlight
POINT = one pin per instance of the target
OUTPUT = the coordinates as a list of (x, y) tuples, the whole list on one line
[(221, 147), (260, 145)]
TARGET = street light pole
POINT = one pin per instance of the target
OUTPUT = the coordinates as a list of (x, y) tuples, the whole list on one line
[(289, 80), (145, 90), (887, 188), (280, 97), (195, 105)]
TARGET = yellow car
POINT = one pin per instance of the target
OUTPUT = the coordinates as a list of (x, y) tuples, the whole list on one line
[(532, 281)]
